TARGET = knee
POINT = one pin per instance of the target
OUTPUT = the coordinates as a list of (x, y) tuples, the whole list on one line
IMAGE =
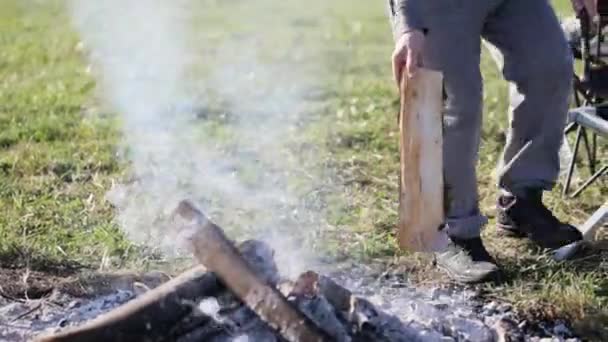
[(558, 71), (463, 102), (463, 112), (550, 71)]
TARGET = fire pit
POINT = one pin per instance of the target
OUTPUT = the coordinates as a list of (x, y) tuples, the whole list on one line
[(239, 295)]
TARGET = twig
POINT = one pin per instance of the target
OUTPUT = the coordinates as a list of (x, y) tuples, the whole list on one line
[(15, 326), (6, 296), (38, 306)]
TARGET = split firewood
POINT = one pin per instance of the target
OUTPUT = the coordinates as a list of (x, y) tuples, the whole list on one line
[(307, 285), (307, 295), (148, 317), (320, 310), (341, 298), (310, 284), (216, 252), (421, 188), (372, 324), (311, 291), (362, 319)]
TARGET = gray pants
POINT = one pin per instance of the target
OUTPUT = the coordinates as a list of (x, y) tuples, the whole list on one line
[(538, 63)]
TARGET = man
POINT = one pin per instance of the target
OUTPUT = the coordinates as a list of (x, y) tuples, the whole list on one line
[(445, 35)]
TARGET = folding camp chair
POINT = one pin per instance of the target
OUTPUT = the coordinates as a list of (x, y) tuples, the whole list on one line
[(589, 119)]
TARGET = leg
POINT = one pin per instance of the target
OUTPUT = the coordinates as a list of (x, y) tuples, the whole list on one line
[(453, 47), (538, 62)]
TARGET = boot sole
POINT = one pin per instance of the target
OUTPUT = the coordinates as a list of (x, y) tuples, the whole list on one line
[(468, 280), (509, 231)]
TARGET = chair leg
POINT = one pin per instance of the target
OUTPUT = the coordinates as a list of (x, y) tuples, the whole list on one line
[(590, 181), (589, 151), (593, 157), (570, 127), (577, 144)]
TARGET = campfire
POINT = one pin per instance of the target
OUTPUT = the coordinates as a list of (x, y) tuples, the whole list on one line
[(237, 292)]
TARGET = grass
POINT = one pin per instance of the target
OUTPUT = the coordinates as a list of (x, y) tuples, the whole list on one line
[(56, 162), (58, 148)]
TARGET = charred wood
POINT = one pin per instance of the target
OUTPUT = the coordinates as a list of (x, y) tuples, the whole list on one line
[(216, 252), (148, 317)]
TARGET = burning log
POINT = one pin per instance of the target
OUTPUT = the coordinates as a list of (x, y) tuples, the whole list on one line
[(358, 317), (148, 317), (213, 249), (341, 298), (238, 296), (307, 294)]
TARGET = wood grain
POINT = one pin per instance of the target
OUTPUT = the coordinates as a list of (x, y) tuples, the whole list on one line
[(421, 192), (147, 318), (217, 253)]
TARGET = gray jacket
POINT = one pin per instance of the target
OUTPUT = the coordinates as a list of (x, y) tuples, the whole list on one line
[(405, 15)]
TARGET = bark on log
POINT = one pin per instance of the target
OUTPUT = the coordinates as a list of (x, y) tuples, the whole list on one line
[(341, 298), (421, 191), (357, 312), (213, 249), (310, 284), (311, 293), (148, 317)]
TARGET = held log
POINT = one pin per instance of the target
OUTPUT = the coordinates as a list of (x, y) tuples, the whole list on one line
[(421, 188)]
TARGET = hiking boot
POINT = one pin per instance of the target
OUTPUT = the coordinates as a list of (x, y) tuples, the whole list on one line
[(505, 224), (467, 261), (527, 216)]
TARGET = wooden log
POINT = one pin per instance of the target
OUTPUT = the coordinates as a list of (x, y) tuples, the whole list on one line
[(148, 317), (310, 284), (317, 296), (358, 313), (341, 298), (421, 188), (213, 249)]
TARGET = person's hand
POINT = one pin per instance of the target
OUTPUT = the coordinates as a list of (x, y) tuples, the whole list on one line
[(408, 54), (590, 6)]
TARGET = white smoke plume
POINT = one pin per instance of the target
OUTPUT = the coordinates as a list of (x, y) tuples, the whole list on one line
[(216, 137)]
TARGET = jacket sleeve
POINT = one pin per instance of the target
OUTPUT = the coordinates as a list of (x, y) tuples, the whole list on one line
[(405, 15)]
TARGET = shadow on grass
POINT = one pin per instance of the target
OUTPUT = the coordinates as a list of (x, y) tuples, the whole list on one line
[(18, 259)]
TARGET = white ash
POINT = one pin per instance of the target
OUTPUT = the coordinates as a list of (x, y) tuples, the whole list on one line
[(21, 320), (211, 308), (242, 338), (394, 311), (431, 313)]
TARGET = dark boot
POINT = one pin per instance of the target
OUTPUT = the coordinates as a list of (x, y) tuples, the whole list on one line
[(467, 261), (526, 215), (504, 222)]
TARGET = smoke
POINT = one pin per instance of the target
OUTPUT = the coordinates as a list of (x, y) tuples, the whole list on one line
[(209, 123)]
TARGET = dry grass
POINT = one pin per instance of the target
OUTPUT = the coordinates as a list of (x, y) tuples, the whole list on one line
[(57, 161)]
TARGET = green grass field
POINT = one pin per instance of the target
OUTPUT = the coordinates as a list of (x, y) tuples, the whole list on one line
[(58, 149)]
